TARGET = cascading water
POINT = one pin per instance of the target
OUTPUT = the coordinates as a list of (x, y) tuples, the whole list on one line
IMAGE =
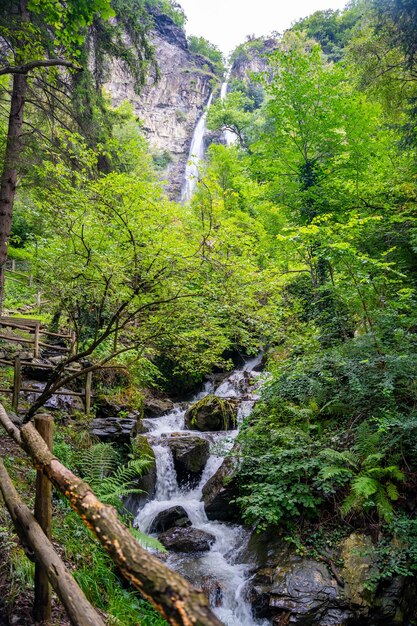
[(219, 569), (195, 156), (230, 138)]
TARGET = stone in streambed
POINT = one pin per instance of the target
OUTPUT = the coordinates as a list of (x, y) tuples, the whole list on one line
[(219, 492), (190, 457), (211, 414), (175, 517), (187, 540)]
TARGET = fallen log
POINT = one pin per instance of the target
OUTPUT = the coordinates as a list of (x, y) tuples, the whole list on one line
[(79, 610), (172, 596)]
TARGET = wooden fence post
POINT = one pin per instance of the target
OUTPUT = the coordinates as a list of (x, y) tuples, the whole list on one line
[(88, 382), (44, 424), (36, 342), (73, 340), (17, 381)]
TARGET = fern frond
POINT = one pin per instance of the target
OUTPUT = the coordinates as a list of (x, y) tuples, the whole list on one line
[(98, 462), (146, 541), (350, 503), (372, 460), (392, 491), (334, 471), (384, 506), (346, 457), (364, 486)]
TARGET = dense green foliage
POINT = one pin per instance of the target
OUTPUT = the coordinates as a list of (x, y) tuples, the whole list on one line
[(200, 45), (301, 238), (326, 163)]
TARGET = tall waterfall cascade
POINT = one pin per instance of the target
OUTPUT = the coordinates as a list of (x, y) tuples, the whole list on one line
[(196, 155), (229, 137), (224, 563)]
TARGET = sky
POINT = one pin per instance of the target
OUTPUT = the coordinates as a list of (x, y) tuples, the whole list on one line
[(226, 23)]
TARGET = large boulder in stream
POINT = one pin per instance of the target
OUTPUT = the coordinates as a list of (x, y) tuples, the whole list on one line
[(190, 456), (175, 517), (187, 540), (211, 414), (220, 490)]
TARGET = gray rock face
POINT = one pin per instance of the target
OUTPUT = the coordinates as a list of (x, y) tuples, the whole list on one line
[(253, 60), (114, 429), (190, 456), (187, 540), (171, 105), (219, 491), (211, 414), (176, 517), (305, 589), (289, 589), (155, 407)]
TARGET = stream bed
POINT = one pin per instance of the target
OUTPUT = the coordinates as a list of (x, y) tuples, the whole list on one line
[(219, 570)]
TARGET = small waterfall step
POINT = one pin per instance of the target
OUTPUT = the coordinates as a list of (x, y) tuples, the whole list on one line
[(216, 569)]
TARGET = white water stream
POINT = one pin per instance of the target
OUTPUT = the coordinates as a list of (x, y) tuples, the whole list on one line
[(195, 156), (229, 137), (220, 567)]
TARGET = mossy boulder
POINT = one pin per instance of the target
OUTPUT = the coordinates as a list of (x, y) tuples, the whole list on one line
[(211, 414)]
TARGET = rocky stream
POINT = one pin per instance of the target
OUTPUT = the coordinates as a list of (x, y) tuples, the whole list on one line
[(187, 503)]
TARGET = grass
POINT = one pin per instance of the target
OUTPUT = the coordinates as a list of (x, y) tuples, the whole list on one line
[(89, 563)]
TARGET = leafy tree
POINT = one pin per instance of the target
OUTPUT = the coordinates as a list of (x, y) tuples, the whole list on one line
[(38, 35)]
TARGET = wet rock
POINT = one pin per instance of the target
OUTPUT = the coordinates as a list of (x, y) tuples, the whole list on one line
[(213, 590), (211, 414), (220, 490), (175, 517), (187, 540), (35, 371), (289, 589), (155, 407), (190, 456), (307, 591), (114, 429), (356, 553)]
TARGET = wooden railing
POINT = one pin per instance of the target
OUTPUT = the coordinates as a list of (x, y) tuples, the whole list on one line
[(33, 327), (173, 596)]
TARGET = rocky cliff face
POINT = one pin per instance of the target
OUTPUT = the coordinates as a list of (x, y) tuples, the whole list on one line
[(170, 105), (252, 58)]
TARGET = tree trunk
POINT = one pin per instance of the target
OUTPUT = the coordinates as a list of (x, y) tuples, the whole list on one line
[(8, 180)]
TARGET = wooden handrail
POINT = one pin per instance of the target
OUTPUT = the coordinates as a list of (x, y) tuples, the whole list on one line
[(76, 604), (172, 596)]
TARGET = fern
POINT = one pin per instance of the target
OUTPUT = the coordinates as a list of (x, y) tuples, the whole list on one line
[(98, 462), (119, 485), (145, 541), (364, 486), (111, 482)]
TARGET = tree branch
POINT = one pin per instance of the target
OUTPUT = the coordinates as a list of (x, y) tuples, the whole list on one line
[(32, 65)]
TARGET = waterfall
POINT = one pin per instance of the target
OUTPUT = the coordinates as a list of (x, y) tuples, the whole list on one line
[(221, 564), (229, 137), (196, 155)]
